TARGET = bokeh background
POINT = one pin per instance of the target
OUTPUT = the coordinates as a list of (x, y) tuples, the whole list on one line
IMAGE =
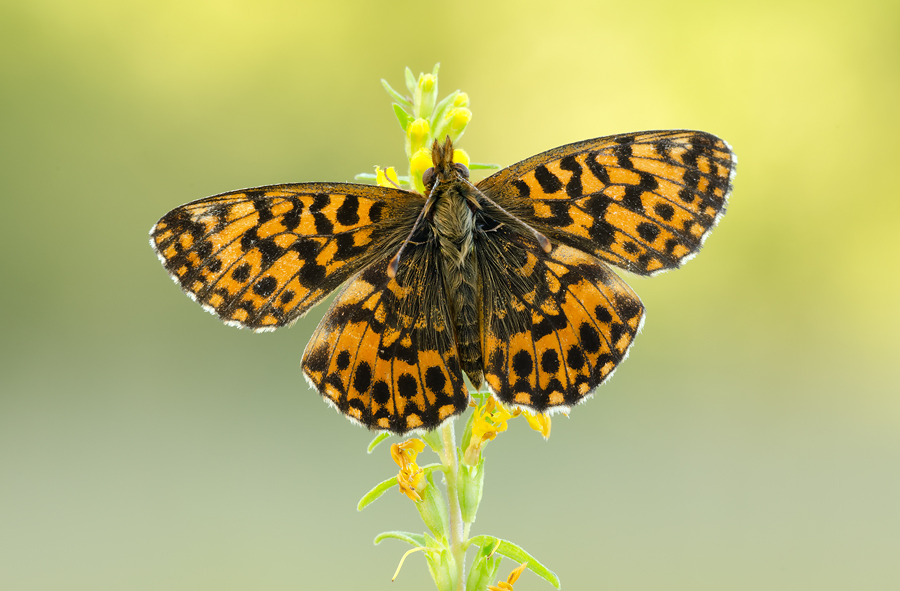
[(751, 441)]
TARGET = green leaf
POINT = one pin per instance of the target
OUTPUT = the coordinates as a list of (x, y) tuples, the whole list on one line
[(402, 116), (482, 166), (429, 468), (396, 95), (365, 177), (410, 80), (381, 436), (510, 550), (376, 492), (417, 540)]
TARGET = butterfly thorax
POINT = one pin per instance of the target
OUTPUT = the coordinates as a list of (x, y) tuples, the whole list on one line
[(454, 228)]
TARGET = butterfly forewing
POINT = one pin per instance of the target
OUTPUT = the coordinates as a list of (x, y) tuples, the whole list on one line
[(260, 258), (385, 354), (643, 202)]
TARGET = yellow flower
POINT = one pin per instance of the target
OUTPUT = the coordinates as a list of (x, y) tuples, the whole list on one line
[(507, 585), (411, 478), (386, 177), (539, 422), (489, 420)]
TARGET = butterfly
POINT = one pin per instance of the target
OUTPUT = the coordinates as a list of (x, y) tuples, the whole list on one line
[(508, 281)]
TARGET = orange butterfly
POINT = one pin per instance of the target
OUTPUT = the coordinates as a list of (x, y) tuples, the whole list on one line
[(507, 281)]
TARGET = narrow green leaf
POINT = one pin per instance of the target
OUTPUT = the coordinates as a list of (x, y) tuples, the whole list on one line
[(410, 80), (510, 550), (366, 177), (396, 95), (381, 436), (429, 468), (376, 492), (402, 116), (417, 540), (437, 67), (482, 166)]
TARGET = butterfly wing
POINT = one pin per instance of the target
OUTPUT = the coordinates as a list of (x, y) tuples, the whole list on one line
[(556, 324), (385, 354), (260, 258), (644, 202)]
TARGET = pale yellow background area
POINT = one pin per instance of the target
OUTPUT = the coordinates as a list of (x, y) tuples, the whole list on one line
[(751, 441)]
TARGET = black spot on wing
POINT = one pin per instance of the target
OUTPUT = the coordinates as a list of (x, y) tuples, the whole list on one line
[(522, 187), (623, 156), (522, 364), (548, 181), (407, 386), (632, 199), (348, 212), (241, 273), (575, 358), (550, 362), (435, 380), (362, 377), (573, 186), (647, 231), (590, 340), (323, 224), (664, 210), (265, 286)]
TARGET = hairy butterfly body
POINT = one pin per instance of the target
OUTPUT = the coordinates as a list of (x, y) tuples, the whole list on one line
[(507, 281)]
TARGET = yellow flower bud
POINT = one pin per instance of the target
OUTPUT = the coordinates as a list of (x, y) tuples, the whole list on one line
[(461, 100), (418, 164), (461, 157), (455, 122), (426, 82), (417, 134)]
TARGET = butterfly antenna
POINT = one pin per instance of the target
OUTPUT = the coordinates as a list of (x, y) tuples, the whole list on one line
[(395, 262), (541, 239)]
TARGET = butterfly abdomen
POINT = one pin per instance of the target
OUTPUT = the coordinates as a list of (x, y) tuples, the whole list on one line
[(454, 225)]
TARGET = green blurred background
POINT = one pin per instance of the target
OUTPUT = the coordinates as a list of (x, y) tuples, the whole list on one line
[(751, 441)]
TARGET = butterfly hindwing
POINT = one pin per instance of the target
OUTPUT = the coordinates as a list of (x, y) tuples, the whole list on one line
[(642, 201), (557, 328), (385, 353), (260, 258)]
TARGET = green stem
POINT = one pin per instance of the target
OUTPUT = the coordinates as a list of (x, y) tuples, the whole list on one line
[(457, 530)]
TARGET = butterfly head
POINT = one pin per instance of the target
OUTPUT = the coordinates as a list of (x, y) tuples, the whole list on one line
[(443, 166)]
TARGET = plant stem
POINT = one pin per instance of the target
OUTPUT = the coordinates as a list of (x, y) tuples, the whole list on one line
[(457, 531)]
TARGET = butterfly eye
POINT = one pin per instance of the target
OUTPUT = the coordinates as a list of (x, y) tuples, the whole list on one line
[(461, 169), (428, 177)]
